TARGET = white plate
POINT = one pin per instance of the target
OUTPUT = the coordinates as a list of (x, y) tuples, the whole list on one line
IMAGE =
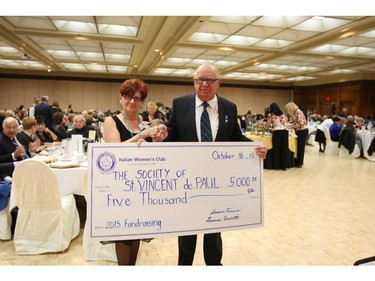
[(64, 165), (43, 158)]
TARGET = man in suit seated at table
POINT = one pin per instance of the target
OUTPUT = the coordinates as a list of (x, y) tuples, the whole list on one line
[(10, 148), (10, 151)]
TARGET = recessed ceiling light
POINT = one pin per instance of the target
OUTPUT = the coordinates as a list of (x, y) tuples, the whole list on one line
[(225, 49), (347, 34), (80, 37)]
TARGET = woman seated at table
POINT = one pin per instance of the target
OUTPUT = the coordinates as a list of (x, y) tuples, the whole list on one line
[(46, 136), (280, 137), (27, 137), (80, 127), (360, 123)]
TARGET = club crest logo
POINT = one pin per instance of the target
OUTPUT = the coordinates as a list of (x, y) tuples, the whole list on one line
[(106, 162)]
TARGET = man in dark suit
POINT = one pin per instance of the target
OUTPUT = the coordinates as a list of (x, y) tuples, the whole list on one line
[(9, 151), (9, 154), (44, 109), (184, 126)]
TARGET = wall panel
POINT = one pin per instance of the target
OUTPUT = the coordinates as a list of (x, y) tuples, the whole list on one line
[(4, 94), (16, 93), (103, 96), (74, 97), (32, 89), (89, 96)]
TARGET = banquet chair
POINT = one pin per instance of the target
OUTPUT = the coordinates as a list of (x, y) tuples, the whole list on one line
[(344, 152), (332, 148), (47, 221), (369, 150), (93, 250), (5, 223)]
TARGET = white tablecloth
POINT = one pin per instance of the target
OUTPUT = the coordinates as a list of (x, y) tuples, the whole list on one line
[(312, 127), (70, 180)]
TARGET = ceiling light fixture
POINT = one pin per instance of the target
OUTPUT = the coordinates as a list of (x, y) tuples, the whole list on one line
[(80, 37), (225, 49), (347, 34)]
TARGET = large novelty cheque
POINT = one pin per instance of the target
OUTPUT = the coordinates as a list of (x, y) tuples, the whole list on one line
[(167, 189)]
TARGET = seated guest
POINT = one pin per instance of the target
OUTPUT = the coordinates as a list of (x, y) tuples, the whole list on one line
[(70, 123), (10, 148), (348, 137), (27, 137), (360, 123), (335, 128), (58, 126), (5, 188), (92, 125), (80, 127), (46, 136), (6, 169), (369, 122)]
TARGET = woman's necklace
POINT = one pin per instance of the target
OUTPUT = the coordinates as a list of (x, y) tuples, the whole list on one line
[(129, 128)]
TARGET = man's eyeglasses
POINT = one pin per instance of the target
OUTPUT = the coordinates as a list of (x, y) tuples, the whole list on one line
[(132, 97), (209, 81)]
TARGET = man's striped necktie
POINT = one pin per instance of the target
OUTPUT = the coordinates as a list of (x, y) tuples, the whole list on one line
[(206, 133)]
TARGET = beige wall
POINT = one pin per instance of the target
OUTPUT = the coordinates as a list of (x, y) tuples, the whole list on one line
[(84, 95)]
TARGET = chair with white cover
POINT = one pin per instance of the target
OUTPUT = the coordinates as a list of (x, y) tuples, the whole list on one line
[(332, 147), (344, 152), (369, 149), (5, 223), (47, 221), (348, 145), (93, 250)]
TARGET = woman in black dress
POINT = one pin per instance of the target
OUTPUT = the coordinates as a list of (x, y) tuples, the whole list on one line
[(126, 127)]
